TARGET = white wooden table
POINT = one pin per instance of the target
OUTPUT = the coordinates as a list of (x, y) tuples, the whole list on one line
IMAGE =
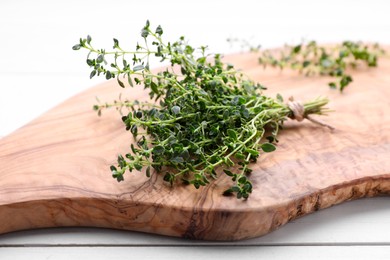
[(38, 70)]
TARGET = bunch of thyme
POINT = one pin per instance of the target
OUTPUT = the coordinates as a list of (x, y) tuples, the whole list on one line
[(204, 116), (312, 59)]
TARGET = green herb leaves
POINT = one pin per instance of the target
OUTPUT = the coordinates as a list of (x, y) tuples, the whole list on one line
[(210, 117), (312, 59), (268, 147)]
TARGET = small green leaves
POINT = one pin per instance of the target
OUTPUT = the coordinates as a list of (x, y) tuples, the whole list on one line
[(326, 63), (232, 134), (148, 171), (253, 152), (177, 159), (134, 130), (159, 30), (228, 173), (240, 156), (82, 43), (130, 80), (297, 49), (268, 147), (116, 44), (138, 114), (311, 59), (169, 177), (145, 31), (159, 149), (332, 85), (100, 58), (118, 175), (242, 180), (203, 116), (76, 47), (138, 68), (108, 75), (243, 187), (344, 81), (175, 110), (120, 83), (138, 166), (90, 62), (93, 73), (279, 98)]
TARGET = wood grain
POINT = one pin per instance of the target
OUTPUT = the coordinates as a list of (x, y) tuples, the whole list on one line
[(55, 170)]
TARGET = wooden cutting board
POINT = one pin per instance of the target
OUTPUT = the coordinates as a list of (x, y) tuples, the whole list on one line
[(55, 170)]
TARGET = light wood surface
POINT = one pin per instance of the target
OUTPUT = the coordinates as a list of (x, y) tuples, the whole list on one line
[(54, 171), (177, 253)]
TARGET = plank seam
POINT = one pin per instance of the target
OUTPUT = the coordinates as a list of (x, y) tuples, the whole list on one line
[(344, 244)]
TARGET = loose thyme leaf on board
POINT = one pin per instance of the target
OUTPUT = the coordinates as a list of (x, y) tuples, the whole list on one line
[(313, 59), (204, 119)]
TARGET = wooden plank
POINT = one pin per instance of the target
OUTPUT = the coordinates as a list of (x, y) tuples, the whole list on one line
[(172, 253)]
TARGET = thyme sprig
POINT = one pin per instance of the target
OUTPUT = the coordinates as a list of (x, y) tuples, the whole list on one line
[(204, 116), (313, 59)]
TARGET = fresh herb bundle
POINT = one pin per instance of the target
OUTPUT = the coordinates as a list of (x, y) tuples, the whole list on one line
[(312, 59), (204, 116)]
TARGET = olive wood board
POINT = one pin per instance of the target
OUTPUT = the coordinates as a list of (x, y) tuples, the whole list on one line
[(54, 172)]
